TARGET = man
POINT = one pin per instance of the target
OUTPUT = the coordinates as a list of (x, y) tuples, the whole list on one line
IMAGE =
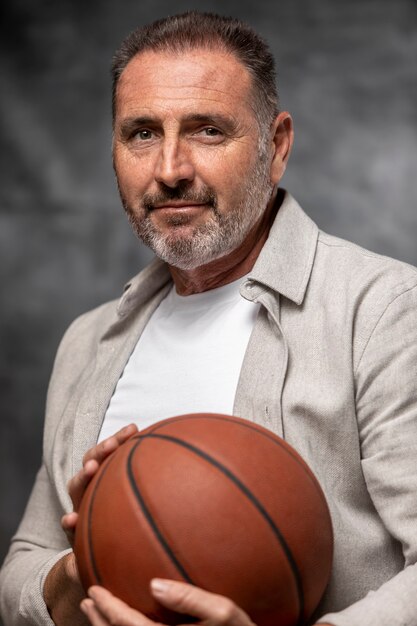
[(322, 348)]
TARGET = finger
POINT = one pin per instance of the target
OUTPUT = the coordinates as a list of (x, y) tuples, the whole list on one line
[(93, 614), (92, 460), (68, 523), (78, 483), (206, 606), (116, 612), (109, 445)]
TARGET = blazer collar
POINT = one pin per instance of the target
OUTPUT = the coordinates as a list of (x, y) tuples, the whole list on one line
[(143, 287), (286, 260)]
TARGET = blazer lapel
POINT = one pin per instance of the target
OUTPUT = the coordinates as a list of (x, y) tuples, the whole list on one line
[(114, 350), (261, 381)]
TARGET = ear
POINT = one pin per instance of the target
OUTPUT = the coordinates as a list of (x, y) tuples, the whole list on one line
[(282, 140)]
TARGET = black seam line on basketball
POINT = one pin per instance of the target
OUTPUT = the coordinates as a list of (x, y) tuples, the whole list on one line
[(89, 523), (149, 517), (242, 422), (249, 425), (252, 498)]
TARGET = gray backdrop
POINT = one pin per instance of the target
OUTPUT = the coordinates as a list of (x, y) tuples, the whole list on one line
[(347, 72)]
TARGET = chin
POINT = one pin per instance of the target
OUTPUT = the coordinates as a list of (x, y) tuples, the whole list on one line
[(188, 246), (186, 253)]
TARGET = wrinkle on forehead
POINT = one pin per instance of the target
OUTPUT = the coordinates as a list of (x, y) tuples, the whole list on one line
[(197, 74)]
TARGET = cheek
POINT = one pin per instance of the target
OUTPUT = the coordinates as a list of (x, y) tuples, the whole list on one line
[(132, 174), (225, 169)]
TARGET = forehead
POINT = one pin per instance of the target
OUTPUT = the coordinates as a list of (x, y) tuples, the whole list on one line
[(189, 81)]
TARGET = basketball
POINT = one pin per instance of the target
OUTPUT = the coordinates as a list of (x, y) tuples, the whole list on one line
[(216, 501)]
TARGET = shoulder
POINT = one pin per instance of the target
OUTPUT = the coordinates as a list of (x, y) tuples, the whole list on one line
[(89, 327), (365, 291), (360, 271), (80, 343), (76, 355), (87, 330)]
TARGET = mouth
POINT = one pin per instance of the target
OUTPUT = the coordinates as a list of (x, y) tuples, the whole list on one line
[(183, 205), (180, 201), (179, 212)]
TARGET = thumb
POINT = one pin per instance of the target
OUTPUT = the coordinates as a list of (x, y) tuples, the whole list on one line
[(188, 599)]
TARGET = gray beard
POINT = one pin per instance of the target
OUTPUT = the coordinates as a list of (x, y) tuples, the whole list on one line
[(218, 236)]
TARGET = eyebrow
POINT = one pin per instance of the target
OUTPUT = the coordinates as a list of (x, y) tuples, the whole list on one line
[(130, 124), (217, 119), (227, 123)]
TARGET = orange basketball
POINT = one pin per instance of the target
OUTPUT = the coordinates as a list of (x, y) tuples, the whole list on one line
[(213, 500)]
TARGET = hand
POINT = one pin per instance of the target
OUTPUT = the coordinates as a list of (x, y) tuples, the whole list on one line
[(62, 590), (104, 609), (91, 462)]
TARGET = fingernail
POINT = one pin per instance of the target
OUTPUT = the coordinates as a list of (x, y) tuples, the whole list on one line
[(159, 586), (90, 465), (84, 606)]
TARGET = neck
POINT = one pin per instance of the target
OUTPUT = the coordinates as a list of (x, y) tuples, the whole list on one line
[(230, 267)]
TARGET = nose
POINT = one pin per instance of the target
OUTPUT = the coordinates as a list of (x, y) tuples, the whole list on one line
[(174, 164)]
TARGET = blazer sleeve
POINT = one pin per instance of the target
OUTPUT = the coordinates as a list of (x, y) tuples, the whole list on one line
[(38, 543), (386, 401)]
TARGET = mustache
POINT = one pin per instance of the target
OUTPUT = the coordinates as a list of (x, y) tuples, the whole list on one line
[(206, 195)]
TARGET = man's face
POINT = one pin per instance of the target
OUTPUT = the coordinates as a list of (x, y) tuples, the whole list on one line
[(192, 177)]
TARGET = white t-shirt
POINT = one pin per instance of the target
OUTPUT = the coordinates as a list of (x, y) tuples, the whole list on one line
[(187, 360)]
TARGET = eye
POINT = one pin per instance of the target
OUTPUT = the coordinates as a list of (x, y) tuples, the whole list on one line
[(211, 131), (143, 134), (210, 135)]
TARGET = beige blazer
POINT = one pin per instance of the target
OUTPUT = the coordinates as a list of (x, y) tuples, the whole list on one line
[(331, 366)]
